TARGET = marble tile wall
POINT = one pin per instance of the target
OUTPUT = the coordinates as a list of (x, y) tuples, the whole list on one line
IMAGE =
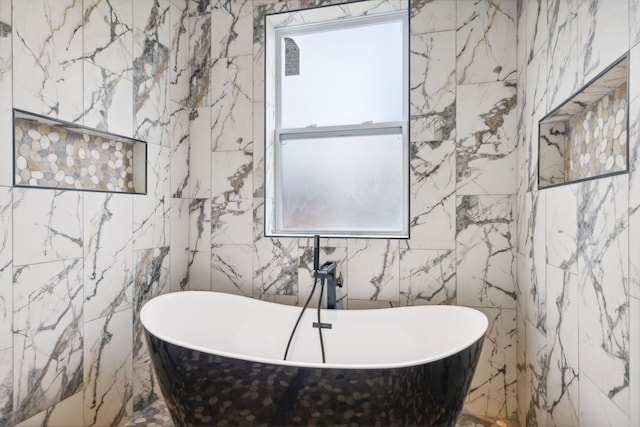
[(75, 267), (463, 176), (577, 295)]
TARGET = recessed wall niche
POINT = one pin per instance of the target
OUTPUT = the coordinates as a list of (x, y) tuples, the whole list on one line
[(50, 153), (586, 137)]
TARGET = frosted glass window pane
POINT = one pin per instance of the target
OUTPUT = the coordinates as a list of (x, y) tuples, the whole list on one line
[(358, 69), (342, 184)]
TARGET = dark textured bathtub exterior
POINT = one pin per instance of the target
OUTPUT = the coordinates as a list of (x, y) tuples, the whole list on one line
[(205, 389)]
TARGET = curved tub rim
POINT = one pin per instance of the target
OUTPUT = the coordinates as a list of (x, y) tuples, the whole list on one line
[(319, 365)]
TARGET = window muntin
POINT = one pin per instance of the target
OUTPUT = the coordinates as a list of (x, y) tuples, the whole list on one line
[(341, 130)]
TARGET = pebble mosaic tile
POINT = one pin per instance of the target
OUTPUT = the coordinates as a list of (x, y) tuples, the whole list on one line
[(51, 156), (586, 137), (598, 138)]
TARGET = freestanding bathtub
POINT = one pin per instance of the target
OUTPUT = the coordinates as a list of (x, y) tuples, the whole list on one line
[(219, 361)]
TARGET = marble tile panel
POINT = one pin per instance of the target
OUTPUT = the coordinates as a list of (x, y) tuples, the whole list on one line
[(200, 244), (537, 363), (231, 205), (485, 251), (107, 100), (535, 264), (6, 386), (534, 109), (153, 18), (48, 58), (562, 227), (108, 390), (603, 285), (67, 413), (493, 389), (306, 280), (562, 402), (634, 23), (232, 269), (6, 102), (231, 104), (47, 225), (151, 279), (179, 71), (200, 60), (259, 12), (179, 244), (108, 254), (562, 80), (603, 35), (432, 192), (553, 146), (634, 174), (634, 361), (427, 277), (596, 409), (200, 167), (6, 270), (433, 86), (486, 41), (180, 151), (150, 89), (537, 28), (231, 35), (48, 339), (151, 219), (373, 268), (429, 16), (258, 149), (108, 35), (275, 267), (486, 138)]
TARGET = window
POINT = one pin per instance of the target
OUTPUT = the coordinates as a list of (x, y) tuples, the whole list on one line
[(337, 133)]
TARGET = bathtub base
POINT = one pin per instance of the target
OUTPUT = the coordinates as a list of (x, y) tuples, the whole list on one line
[(205, 389)]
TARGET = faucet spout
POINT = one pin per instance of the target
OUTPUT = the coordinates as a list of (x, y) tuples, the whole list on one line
[(328, 271)]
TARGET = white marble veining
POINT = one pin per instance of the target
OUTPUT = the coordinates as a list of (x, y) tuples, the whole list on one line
[(493, 389), (179, 244), (47, 225), (562, 394), (108, 254), (603, 283), (231, 103), (6, 84), (151, 217), (47, 47), (108, 390), (603, 35), (433, 86), (199, 163), (432, 189), (485, 41), (107, 98), (200, 244), (6, 270), (231, 204), (108, 38), (232, 269), (374, 267), (151, 278), (427, 276), (48, 339), (485, 251), (486, 138)]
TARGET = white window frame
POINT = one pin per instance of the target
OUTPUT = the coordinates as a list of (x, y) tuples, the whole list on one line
[(275, 229)]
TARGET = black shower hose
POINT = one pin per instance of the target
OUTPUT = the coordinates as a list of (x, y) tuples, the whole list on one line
[(306, 304)]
